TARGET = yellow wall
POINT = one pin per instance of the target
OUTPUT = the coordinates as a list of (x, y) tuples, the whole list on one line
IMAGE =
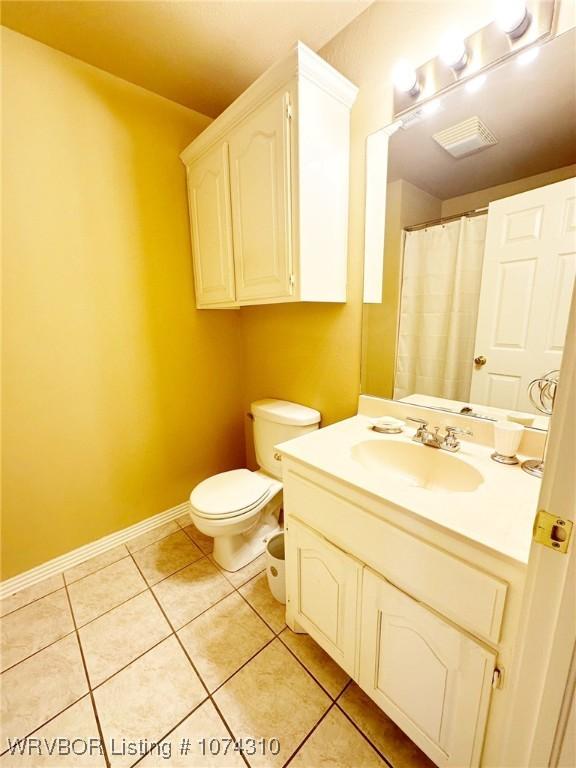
[(118, 395)]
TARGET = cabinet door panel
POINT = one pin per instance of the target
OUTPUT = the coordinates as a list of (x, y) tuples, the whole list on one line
[(209, 196), (323, 587), (433, 680), (260, 190)]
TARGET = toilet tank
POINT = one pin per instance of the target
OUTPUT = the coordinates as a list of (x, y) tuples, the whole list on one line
[(276, 421)]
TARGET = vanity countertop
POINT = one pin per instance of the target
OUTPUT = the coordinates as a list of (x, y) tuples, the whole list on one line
[(499, 514)]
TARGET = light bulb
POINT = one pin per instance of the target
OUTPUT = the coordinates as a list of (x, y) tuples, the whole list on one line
[(405, 78), (513, 17), (453, 51), (473, 86)]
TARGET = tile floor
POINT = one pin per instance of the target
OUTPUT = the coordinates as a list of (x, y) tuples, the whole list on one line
[(153, 651)]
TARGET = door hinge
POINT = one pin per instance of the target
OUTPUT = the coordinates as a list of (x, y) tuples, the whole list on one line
[(291, 282), (552, 531), (288, 110), (497, 678)]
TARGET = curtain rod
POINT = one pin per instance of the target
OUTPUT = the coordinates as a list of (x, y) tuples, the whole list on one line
[(434, 222)]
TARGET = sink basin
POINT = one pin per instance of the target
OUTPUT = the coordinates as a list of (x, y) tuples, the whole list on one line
[(417, 466)]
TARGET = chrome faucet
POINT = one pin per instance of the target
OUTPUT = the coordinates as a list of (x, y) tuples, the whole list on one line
[(433, 439)]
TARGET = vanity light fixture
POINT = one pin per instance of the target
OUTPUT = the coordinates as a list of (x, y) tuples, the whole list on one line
[(405, 78), (513, 18), (476, 84), (453, 52), (516, 26)]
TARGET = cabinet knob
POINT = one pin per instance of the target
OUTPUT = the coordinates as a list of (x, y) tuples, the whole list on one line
[(480, 360)]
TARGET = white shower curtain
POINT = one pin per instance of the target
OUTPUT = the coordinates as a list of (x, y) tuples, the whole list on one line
[(438, 309)]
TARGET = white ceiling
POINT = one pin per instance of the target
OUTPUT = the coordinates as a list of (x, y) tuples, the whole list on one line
[(530, 109), (200, 54)]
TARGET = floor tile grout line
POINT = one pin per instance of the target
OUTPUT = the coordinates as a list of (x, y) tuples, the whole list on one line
[(178, 639), (193, 540), (46, 722), (277, 633), (35, 653), (312, 675), (90, 692), (31, 602), (165, 736), (137, 594), (365, 735), (182, 568), (128, 553), (113, 608), (161, 538), (136, 658), (305, 739), (77, 626), (96, 570), (220, 599), (223, 571), (245, 663)]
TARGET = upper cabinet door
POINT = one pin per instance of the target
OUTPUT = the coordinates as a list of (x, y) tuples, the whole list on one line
[(209, 197), (431, 679), (260, 189)]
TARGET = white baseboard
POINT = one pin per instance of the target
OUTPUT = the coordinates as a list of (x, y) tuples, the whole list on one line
[(77, 556)]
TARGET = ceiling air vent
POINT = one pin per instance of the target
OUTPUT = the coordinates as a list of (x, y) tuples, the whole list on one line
[(464, 138)]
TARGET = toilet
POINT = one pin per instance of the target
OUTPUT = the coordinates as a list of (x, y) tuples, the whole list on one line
[(240, 509)]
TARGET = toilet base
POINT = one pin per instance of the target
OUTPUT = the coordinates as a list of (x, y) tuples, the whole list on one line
[(234, 552)]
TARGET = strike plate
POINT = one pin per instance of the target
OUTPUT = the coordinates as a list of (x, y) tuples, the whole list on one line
[(552, 531)]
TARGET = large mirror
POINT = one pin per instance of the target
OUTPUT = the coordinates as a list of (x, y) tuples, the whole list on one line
[(480, 241)]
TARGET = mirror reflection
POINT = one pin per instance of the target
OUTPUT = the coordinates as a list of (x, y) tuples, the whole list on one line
[(480, 251)]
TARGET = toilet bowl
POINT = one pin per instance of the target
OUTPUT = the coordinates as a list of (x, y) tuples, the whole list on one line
[(240, 509)]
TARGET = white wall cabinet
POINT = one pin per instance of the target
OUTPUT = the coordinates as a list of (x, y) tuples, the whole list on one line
[(325, 586), (209, 195), (260, 185), (268, 189)]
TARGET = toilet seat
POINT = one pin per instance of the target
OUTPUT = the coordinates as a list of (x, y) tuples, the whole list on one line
[(230, 494)]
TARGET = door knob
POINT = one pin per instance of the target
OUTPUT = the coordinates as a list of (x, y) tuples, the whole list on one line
[(480, 360)]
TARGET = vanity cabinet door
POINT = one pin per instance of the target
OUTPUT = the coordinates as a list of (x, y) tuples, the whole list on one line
[(260, 188), (209, 201), (323, 592), (431, 679)]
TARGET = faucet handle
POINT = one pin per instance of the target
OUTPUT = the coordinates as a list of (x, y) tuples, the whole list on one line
[(453, 431), (422, 429), (422, 422)]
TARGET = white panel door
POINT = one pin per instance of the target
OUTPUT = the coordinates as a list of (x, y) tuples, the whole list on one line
[(260, 189), (527, 281), (323, 584), (209, 199), (431, 679)]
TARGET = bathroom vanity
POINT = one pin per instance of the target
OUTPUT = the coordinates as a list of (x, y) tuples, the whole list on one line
[(406, 564)]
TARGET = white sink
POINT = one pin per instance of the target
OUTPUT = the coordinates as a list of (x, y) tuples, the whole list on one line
[(417, 465)]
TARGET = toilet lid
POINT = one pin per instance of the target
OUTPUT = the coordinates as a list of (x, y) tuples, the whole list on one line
[(230, 492)]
